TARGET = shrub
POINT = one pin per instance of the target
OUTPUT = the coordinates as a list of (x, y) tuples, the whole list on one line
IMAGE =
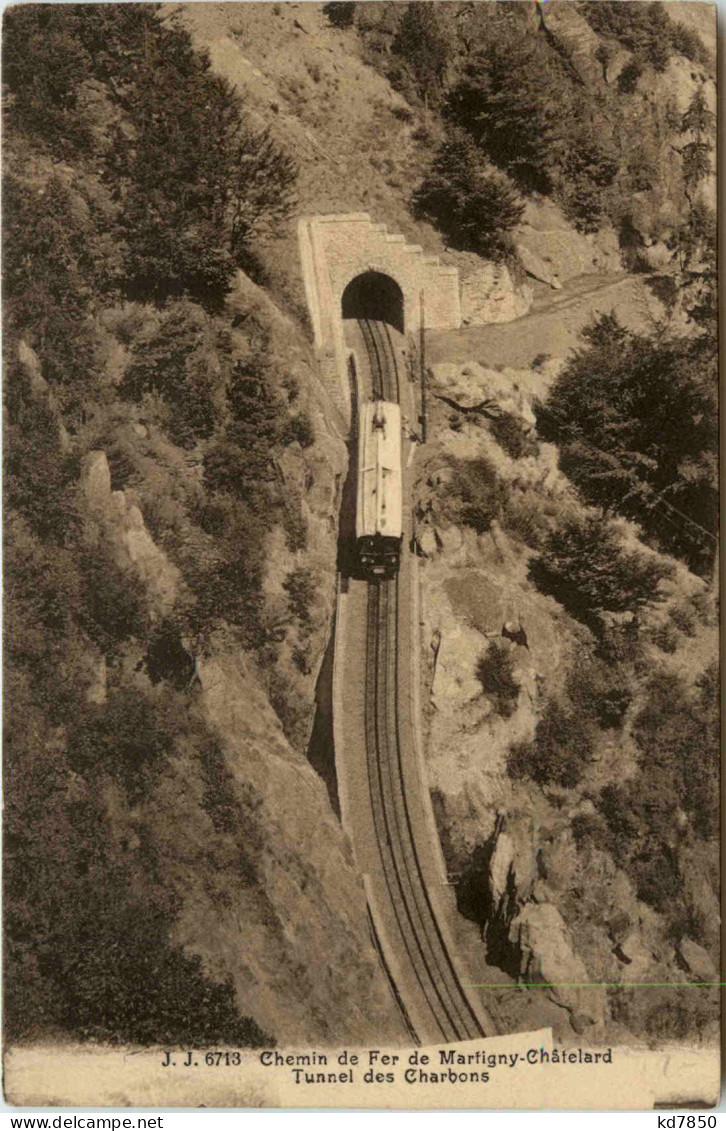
[(665, 636), (473, 205), (300, 587), (523, 518), (584, 566), (512, 434), (301, 430), (559, 752), (629, 76), (495, 672), (599, 692), (340, 13), (126, 738), (589, 829), (474, 495), (113, 606), (684, 618), (295, 527), (127, 948), (219, 800), (167, 658), (644, 28)]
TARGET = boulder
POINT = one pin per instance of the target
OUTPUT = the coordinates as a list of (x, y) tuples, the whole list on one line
[(445, 373), (635, 956), (96, 692), (491, 295), (455, 686), (537, 268), (427, 541), (547, 955), (450, 537), (96, 481), (698, 961)]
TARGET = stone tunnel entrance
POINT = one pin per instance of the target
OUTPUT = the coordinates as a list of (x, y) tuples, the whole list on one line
[(376, 296)]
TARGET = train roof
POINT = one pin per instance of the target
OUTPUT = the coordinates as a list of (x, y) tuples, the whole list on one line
[(379, 504)]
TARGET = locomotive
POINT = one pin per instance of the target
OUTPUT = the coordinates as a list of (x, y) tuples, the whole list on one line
[(378, 528)]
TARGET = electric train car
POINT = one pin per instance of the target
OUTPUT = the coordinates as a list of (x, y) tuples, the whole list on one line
[(378, 528)]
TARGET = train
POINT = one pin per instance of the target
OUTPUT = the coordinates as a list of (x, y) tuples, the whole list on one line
[(379, 502)]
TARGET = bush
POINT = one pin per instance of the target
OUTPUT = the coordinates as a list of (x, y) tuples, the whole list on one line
[(300, 587), (684, 618), (646, 29), (127, 738), (589, 829), (584, 566), (474, 495), (665, 636), (629, 76), (473, 205), (167, 658), (513, 435), (340, 13), (301, 430), (523, 518), (113, 607), (495, 672), (559, 752), (599, 692)]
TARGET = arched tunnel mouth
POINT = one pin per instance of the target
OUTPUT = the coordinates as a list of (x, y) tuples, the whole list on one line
[(375, 296)]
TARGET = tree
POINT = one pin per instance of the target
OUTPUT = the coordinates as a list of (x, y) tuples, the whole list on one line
[(511, 99), (420, 41), (473, 205), (585, 567), (45, 65), (193, 180), (636, 420), (697, 154)]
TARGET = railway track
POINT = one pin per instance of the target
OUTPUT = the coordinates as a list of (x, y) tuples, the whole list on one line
[(382, 359), (443, 1003)]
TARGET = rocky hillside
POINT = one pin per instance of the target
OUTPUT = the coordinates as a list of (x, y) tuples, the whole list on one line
[(172, 482), (173, 475), (540, 721)]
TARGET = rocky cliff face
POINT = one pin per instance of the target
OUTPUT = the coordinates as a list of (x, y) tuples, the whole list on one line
[(551, 909), (294, 937), (264, 886)]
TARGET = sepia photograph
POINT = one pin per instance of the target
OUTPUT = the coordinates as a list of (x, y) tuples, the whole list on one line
[(361, 530)]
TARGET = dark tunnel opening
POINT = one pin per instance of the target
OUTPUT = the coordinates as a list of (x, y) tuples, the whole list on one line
[(376, 296)]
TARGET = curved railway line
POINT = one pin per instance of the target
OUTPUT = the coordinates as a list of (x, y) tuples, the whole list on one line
[(450, 1015)]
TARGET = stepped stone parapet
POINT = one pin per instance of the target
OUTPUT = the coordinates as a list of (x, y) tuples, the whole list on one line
[(335, 249)]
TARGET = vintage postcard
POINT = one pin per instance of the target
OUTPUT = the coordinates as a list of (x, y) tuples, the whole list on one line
[(361, 576)]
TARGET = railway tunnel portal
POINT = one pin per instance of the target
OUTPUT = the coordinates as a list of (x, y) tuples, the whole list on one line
[(374, 296), (355, 268)]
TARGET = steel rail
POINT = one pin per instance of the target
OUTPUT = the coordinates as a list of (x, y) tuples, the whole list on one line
[(376, 728), (431, 963)]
